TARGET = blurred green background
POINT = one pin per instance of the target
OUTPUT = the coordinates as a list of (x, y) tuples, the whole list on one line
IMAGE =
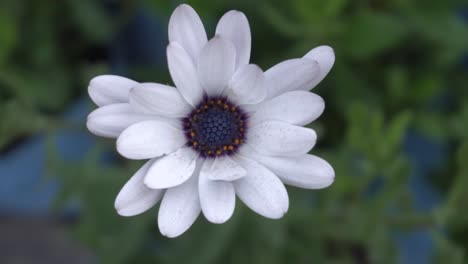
[(395, 128)]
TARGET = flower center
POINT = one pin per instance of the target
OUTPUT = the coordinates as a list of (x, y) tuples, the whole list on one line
[(215, 127)]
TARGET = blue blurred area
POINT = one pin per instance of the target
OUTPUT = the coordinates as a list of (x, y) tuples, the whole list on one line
[(25, 190), (425, 156), (141, 42)]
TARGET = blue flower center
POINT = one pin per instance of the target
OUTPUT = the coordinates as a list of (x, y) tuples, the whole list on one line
[(215, 127)]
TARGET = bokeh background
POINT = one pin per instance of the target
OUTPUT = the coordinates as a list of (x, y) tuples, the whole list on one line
[(395, 129)]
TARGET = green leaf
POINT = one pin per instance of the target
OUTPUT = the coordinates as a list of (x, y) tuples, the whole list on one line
[(8, 35), (313, 11), (397, 129), (92, 20), (34, 88), (369, 34)]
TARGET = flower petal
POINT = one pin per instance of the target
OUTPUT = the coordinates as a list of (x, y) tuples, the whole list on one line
[(216, 65), (234, 26), (184, 73), (135, 198), (217, 198), (149, 139), (110, 89), (223, 169), (290, 75), (325, 56), (159, 99), (296, 107), (274, 138), (111, 120), (172, 170), (186, 28), (306, 171), (247, 86), (261, 190), (180, 208)]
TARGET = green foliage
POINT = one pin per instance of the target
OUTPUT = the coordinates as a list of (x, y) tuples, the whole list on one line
[(395, 60), (369, 33), (42, 66), (7, 34)]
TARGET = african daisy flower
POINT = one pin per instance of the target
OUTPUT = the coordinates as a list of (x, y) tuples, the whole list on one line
[(227, 129)]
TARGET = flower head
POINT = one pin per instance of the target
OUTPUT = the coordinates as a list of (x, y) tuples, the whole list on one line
[(227, 129)]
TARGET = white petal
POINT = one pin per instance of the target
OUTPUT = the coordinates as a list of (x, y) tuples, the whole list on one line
[(247, 86), (216, 65), (186, 28), (223, 169), (235, 27), (149, 139), (306, 171), (159, 99), (110, 89), (180, 208), (325, 56), (111, 120), (217, 198), (135, 198), (184, 73), (261, 190), (274, 138), (172, 170), (296, 107), (290, 75)]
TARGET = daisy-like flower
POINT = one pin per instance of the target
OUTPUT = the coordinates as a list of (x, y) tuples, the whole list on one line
[(227, 129)]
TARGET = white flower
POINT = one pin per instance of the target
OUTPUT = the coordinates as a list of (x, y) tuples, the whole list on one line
[(228, 129)]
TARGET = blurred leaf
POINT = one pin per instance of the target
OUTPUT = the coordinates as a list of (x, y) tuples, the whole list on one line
[(447, 251), (397, 129), (370, 33), (432, 123), (397, 82), (280, 22), (455, 213), (311, 11), (425, 87), (92, 19), (35, 88), (8, 33), (17, 120)]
